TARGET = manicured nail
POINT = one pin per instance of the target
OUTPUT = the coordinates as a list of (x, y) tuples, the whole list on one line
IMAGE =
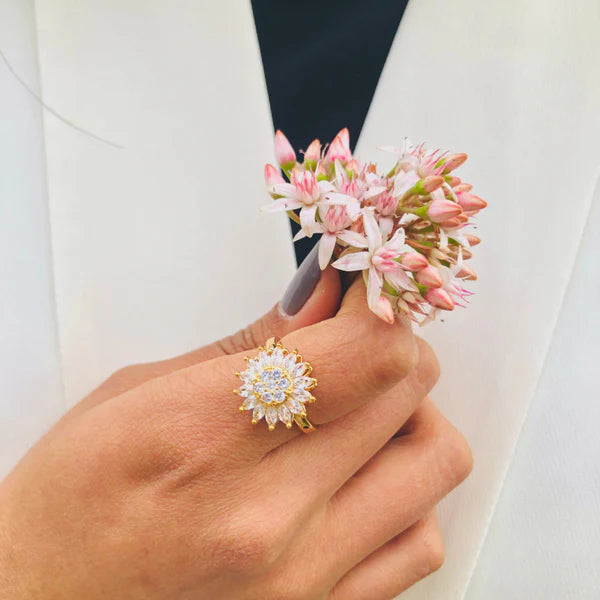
[(303, 283)]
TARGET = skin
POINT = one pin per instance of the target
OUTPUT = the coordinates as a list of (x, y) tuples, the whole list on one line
[(155, 487)]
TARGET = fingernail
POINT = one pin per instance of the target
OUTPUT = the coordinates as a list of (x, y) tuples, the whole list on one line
[(303, 283)]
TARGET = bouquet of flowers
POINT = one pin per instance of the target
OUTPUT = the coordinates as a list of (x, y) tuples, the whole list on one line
[(405, 230)]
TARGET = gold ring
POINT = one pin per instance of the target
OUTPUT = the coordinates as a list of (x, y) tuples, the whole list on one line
[(276, 385)]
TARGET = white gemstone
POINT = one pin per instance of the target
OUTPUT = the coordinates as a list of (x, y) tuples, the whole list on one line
[(259, 388), (279, 396), (298, 369), (264, 360), (271, 415), (266, 375), (285, 416), (277, 356), (267, 397), (301, 395), (303, 382), (276, 374), (245, 390), (249, 403), (246, 377), (259, 412), (284, 383), (296, 407), (289, 361)]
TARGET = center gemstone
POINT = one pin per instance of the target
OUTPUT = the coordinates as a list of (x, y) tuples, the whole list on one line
[(272, 385)]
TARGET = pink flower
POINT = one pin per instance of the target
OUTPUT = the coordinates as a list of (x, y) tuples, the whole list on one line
[(440, 209), (284, 153), (379, 259), (336, 221), (307, 194)]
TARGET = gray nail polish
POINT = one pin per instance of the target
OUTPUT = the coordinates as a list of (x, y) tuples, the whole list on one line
[(303, 283)]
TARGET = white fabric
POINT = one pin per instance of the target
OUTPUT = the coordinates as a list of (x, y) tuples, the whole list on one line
[(516, 85), (157, 248), (179, 85), (31, 397)]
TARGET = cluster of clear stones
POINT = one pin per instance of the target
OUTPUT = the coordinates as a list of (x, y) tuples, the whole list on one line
[(276, 386)]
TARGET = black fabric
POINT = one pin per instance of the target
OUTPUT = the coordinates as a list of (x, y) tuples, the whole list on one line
[(322, 61)]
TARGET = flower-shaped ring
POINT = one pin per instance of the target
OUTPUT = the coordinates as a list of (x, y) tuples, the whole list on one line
[(276, 385)]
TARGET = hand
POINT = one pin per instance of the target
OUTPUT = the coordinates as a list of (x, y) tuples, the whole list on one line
[(155, 487)]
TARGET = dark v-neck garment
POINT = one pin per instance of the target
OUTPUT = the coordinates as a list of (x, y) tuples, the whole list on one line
[(322, 61)]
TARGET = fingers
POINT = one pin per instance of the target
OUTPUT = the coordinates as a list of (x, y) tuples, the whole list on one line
[(355, 356), (393, 568), (343, 446), (322, 304), (400, 484)]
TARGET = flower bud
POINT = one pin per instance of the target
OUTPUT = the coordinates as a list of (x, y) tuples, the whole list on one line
[(383, 309), (430, 184), (312, 155), (453, 181), (467, 273), (272, 175), (439, 298), (413, 261), (440, 210), (472, 239), (454, 161), (471, 202), (339, 149), (284, 153), (452, 223), (462, 187), (430, 277)]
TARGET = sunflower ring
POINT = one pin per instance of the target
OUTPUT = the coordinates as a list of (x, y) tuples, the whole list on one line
[(276, 385)]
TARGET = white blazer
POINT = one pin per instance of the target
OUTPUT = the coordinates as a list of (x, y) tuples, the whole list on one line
[(111, 256)]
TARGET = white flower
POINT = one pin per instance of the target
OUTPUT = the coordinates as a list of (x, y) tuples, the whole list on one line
[(380, 259)]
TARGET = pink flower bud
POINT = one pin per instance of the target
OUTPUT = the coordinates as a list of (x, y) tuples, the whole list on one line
[(472, 239), (454, 161), (339, 149), (383, 309), (453, 181), (272, 176), (462, 187), (352, 165), (440, 210), (439, 298), (312, 154), (471, 202), (413, 261), (284, 153), (432, 183), (467, 273), (430, 277)]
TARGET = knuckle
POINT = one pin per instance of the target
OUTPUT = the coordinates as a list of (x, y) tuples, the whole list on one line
[(251, 544), (455, 455), (428, 367), (434, 549), (399, 355)]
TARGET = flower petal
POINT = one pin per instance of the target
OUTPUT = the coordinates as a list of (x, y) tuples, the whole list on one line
[(357, 261), (372, 229), (399, 280), (307, 219), (282, 204), (374, 284), (353, 238), (326, 246)]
